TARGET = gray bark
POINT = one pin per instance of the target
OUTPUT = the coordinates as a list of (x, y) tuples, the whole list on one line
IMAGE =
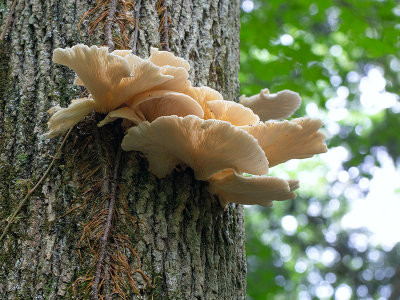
[(188, 246)]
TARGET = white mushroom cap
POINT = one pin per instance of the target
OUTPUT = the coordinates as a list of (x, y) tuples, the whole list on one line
[(204, 94), (147, 78), (234, 113), (98, 70), (207, 146), (272, 106), (179, 81), (165, 58), (111, 79), (54, 109), (174, 66), (153, 104), (282, 141), (122, 53), (120, 78), (231, 187), (65, 118)]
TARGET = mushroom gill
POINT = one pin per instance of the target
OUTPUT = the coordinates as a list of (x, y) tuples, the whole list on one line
[(207, 146)]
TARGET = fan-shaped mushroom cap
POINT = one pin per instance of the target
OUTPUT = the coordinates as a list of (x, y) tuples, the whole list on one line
[(202, 95), (122, 53), (165, 58), (54, 109), (282, 141), (272, 106), (65, 118), (108, 77), (151, 105), (234, 113), (179, 81), (98, 70), (231, 187), (207, 146), (174, 66)]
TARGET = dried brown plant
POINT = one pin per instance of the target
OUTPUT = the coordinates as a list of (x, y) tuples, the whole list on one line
[(109, 14), (165, 23)]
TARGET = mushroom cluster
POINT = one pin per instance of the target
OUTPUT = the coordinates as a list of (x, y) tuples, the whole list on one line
[(231, 145)]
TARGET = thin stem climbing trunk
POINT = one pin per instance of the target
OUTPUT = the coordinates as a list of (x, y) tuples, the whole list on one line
[(169, 231)]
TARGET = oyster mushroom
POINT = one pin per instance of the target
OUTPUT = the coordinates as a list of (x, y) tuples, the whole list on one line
[(207, 146), (272, 106), (282, 141), (115, 79), (232, 187)]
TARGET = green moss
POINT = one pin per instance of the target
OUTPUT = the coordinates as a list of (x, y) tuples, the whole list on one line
[(23, 157), (156, 291)]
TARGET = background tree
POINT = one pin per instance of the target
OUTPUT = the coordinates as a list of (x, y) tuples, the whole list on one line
[(168, 239), (343, 58)]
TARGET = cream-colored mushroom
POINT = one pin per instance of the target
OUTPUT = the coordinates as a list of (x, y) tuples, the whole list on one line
[(114, 79), (179, 81), (231, 187), (99, 71), (167, 61), (169, 72), (122, 53), (121, 113), (65, 118), (169, 65), (165, 58), (207, 146), (203, 95), (272, 106), (153, 104), (282, 141), (232, 112)]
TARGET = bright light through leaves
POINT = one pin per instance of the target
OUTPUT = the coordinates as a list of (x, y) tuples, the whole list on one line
[(346, 65)]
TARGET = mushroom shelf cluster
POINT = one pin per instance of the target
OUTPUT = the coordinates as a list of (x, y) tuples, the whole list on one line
[(231, 145)]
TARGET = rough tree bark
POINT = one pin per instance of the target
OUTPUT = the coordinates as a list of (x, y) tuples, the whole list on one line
[(188, 246)]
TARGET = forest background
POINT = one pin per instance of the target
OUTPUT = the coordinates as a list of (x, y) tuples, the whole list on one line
[(339, 238)]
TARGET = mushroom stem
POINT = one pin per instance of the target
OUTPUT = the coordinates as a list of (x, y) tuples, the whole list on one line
[(9, 19), (106, 233), (108, 27)]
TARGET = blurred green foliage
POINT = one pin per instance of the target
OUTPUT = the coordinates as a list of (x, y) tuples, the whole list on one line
[(325, 50)]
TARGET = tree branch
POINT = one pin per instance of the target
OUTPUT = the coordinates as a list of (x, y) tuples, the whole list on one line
[(104, 238)]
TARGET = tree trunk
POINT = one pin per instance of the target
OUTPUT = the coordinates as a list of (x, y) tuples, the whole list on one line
[(187, 245)]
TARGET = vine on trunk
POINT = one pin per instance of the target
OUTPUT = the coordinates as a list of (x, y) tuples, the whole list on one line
[(165, 23)]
